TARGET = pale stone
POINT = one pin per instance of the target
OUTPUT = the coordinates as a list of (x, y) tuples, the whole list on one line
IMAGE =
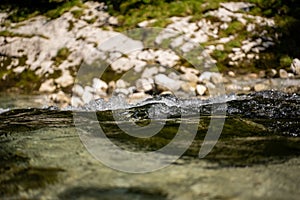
[(260, 87), (231, 74), (190, 77), (174, 76), (237, 6), (165, 83), (144, 84), (283, 73), (271, 73), (87, 96), (121, 84), (65, 80), (99, 84), (295, 66), (48, 86), (122, 64), (149, 72), (188, 87), (77, 90), (201, 89), (220, 47), (76, 101)]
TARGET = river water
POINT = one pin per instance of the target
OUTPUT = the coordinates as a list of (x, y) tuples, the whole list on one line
[(256, 155)]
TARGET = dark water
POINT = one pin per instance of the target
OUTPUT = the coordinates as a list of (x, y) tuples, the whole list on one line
[(260, 129)]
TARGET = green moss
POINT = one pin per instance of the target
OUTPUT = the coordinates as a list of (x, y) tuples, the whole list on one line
[(77, 13), (62, 54), (285, 61), (23, 10), (91, 21), (7, 33), (29, 178)]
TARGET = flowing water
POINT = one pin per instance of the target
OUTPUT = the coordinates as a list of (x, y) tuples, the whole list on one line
[(257, 155)]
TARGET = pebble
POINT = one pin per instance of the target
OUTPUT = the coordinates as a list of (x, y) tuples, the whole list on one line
[(48, 86), (189, 77), (77, 90), (201, 89), (283, 73), (149, 72), (295, 66), (231, 74), (271, 73), (122, 64), (99, 84), (260, 87), (144, 85), (121, 84), (165, 83), (188, 87)]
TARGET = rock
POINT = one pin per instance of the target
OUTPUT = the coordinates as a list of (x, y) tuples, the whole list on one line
[(144, 85), (146, 55), (137, 97), (165, 83), (166, 58), (220, 47), (111, 87), (211, 76), (48, 86), (77, 90), (188, 46), (291, 75), (139, 65), (271, 73), (87, 96), (231, 74), (251, 27), (189, 70), (99, 84), (122, 91), (65, 80), (76, 101), (262, 74), (260, 87), (121, 84), (295, 66), (113, 20), (283, 73), (248, 46), (201, 89), (216, 78), (189, 87), (226, 39), (190, 77), (252, 76), (149, 72), (237, 6), (88, 89), (122, 64), (205, 77), (174, 76), (60, 98)]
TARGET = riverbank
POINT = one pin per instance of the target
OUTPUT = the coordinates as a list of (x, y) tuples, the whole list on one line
[(44, 56)]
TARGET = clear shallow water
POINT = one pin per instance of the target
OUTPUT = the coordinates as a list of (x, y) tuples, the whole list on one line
[(42, 156)]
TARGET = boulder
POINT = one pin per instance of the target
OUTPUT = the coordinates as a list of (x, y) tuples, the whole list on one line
[(144, 85), (48, 86), (165, 83), (295, 66), (283, 73), (201, 89)]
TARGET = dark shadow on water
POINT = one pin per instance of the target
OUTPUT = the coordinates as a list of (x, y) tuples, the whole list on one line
[(116, 193)]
